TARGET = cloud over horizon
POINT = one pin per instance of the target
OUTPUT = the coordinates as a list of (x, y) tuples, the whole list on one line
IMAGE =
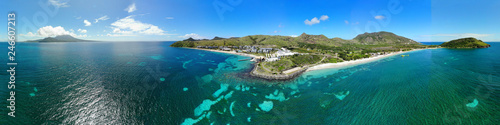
[(193, 35)]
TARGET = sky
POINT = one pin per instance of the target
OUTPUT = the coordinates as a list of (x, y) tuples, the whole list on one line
[(172, 20)]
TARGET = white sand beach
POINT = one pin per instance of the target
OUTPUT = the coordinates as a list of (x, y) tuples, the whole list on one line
[(355, 62)]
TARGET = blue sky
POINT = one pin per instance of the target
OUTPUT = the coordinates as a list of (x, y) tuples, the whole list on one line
[(170, 20)]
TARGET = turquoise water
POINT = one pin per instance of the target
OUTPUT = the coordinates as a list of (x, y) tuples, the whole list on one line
[(151, 83)]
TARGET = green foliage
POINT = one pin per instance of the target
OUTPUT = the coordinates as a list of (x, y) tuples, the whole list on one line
[(280, 65), (333, 60), (382, 38), (183, 44), (301, 60), (304, 41), (465, 43)]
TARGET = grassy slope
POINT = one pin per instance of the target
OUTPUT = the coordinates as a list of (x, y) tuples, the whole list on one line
[(465, 43)]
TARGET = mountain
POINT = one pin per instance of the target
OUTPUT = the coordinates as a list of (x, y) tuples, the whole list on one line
[(60, 38), (217, 38), (376, 38), (465, 43), (382, 38), (190, 39)]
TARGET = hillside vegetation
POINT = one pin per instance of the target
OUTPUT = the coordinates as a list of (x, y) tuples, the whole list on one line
[(465, 43), (377, 38)]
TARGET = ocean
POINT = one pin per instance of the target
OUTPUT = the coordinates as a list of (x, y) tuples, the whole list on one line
[(152, 83)]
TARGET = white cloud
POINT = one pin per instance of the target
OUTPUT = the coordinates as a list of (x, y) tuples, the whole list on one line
[(59, 3), (346, 22), (169, 18), (276, 31), (49, 31), (153, 30), (115, 35), (82, 30), (102, 18), (313, 21), (193, 35), (29, 34), (460, 35), (294, 35), (129, 25), (324, 17), (379, 17), (78, 17), (131, 8), (87, 23)]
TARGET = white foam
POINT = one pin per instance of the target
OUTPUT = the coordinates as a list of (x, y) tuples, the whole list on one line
[(231, 108), (266, 106), (223, 88), (205, 106)]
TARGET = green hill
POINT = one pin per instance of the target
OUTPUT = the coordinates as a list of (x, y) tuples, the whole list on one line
[(382, 38), (377, 38), (465, 43)]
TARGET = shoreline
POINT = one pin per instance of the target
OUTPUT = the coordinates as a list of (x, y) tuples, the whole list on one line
[(355, 62), (340, 65)]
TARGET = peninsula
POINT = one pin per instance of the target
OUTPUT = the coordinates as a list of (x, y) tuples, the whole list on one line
[(465, 43), (285, 57)]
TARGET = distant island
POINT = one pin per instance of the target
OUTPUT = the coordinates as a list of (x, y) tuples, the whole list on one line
[(60, 38), (465, 43), (285, 57)]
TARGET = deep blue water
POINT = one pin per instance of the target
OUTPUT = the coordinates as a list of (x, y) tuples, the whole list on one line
[(151, 83)]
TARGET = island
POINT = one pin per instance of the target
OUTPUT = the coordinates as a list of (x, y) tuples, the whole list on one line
[(465, 43), (60, 38), (285, 57)]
